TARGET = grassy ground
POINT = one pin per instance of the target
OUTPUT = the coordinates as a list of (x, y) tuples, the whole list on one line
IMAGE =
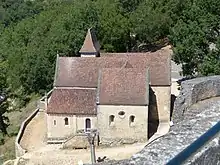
[(7, 151)]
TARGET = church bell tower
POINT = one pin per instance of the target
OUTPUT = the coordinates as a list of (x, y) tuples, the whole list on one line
[(91, 46)]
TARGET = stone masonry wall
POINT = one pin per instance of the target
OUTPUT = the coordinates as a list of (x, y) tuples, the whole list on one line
[(60, 130), (193, 91), (121, 130), (161, 97)]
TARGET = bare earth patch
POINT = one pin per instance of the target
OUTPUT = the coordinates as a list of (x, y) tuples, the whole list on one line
[(35, 133)]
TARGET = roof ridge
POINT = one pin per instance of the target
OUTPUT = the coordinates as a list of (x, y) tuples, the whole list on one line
[(56, 69)]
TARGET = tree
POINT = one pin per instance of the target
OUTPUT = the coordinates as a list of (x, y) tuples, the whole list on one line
[(3, 98), (13, 11), (31, 46), (151, 22), (114, 26), (196, 29)]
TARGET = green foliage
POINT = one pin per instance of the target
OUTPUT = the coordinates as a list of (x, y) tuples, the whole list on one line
[(195, 30), (151, 21), (3, 103), (12, 11), (114, 26), (33, 43), (1, 139)]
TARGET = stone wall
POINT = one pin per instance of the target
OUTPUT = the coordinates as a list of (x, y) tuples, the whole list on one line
[(57, 129), (210, 156), (161, 97), (159, 108), (122, 130), (193, 91), (19, 151)]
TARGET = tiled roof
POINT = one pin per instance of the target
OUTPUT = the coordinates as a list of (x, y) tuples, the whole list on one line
[(91, 44), (125, 86), (83, 71), (73, 101), (159, 64)]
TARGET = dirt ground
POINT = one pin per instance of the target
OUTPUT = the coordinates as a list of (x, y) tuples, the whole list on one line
[(52, 155), (35, 133)]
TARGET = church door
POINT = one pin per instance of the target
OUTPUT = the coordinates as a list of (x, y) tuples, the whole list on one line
[(88, 125)]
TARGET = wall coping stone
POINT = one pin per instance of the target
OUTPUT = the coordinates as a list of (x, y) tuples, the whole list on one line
[(193, 91)]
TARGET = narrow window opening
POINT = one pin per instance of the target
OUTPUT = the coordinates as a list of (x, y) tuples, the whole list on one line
[(88, 125), (54, 122), (66, 120), (131, 120), (111, 120)]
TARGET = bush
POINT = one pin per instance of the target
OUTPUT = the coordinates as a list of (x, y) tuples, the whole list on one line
[(2, 140)]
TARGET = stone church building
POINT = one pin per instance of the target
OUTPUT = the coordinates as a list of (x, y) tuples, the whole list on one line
[(124, 96)]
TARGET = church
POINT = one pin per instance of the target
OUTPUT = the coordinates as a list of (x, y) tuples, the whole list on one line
[(123, 96)]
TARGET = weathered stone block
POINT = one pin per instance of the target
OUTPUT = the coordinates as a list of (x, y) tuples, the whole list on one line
[(192, 91)]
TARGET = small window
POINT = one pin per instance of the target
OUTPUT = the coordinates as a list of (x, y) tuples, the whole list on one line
[(121, 114), (88, 125), (54, 122), (131, 120), (66, 120), (111, 120)]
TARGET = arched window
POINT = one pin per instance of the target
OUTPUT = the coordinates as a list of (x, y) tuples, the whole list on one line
[(66, 121), (54, 122), (111, 120), (88, 124), (131, 120)]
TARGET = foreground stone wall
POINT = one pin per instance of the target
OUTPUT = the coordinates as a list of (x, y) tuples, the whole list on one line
[(193, 91), (210, 156)]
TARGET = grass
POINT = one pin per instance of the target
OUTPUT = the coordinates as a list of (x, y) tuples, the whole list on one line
[(7, 151)]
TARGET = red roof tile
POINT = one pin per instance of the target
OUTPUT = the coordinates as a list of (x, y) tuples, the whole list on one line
[(73, 101), (125, 86)]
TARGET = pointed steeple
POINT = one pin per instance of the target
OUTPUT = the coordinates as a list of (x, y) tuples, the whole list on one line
[(91, 47)]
